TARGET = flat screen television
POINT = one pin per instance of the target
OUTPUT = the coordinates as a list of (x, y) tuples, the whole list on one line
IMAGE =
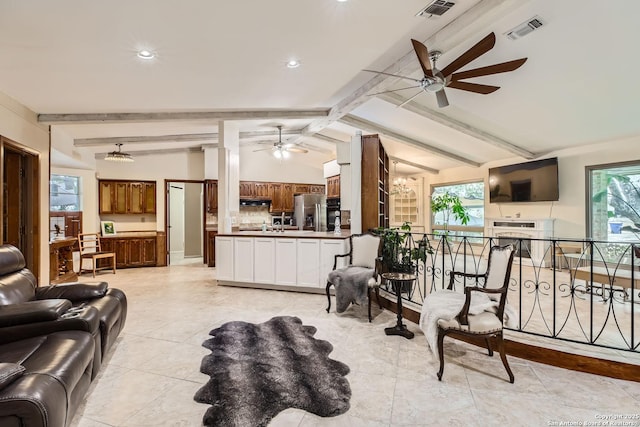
[(535, 181)]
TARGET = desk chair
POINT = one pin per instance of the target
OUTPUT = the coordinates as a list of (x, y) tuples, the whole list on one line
[(90, 249)]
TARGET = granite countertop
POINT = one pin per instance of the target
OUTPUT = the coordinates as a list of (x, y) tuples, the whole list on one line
[(296, 234)]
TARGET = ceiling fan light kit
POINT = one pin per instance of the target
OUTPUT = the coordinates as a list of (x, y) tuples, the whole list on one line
[(281, 150), (119, 156), (435, 80)]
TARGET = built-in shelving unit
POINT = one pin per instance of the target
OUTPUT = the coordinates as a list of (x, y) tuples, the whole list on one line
[(374, 183)]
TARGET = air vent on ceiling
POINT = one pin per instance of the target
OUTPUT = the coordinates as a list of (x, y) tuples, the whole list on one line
[(525, 28), (437, 7)]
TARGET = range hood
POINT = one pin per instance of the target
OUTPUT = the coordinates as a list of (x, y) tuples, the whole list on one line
[(249, 202)]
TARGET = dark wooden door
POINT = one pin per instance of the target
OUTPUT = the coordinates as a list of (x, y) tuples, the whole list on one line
[(149, 255), (13, 224), (135, 252), (212, 196)]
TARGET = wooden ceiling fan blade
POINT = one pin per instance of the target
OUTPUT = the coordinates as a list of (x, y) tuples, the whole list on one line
[(478, 49), (473, 87), (393, 75), (393, 90), (423, 57), (441, 97), (503, 67)]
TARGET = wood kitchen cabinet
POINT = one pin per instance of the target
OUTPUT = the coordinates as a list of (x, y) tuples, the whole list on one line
[(132, 251), (247, 189), (277, 200), (127, 197), (254, 190), (301, 189), (287, 197), (316, 189), (211, 194), (211, 248), (333, 187), (261, 190)]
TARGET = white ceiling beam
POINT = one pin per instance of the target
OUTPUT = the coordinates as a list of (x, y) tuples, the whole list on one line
[(328, 138), (430, 114), (135, 154), (415, 165), (95, 142), (181, 116), (451, 35), (373, 127)]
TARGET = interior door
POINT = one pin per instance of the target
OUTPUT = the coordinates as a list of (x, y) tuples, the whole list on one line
[(20, 201)]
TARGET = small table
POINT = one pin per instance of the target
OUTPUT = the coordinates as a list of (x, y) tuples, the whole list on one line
[(398, 281)]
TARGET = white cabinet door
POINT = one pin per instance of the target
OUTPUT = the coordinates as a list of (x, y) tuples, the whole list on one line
[(309, 262), (286, 261), (224, 258), (243, 259), (328, 249), (264, 263)]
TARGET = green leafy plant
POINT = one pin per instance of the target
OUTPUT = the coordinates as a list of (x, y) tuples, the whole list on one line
[(449, 204), (400, 253)]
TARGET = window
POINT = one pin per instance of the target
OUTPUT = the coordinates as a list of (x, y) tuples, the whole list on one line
[(471, 195), (64, 193), (613, 208)]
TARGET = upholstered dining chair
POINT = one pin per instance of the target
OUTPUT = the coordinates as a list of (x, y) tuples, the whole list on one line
[(355, 282), (91, 249), (481, 317)]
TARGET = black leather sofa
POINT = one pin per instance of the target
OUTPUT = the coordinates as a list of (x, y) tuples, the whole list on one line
[(52, 342)]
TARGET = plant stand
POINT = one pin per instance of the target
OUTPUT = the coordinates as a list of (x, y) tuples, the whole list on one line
[(398, 282)]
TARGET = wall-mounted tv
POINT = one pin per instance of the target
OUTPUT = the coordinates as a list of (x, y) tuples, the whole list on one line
[(535, 181)]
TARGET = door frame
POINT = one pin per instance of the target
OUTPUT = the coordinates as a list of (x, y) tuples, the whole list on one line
[(167, 184), (31, 205)]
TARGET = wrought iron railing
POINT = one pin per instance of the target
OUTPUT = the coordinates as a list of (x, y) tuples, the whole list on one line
[(580, 291)]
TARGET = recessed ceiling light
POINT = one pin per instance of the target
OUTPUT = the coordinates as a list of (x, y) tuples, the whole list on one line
[(146, 54), (294, 63), (341, 1)]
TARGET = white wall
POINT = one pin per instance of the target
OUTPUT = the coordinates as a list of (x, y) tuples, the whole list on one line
[(263, 166), (19, 124), (157, 167), (570, 211)]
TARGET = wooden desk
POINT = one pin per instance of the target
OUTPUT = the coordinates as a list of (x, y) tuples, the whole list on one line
[(61, 261)]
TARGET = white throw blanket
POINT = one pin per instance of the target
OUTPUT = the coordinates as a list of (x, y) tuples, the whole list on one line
[(447, 304)]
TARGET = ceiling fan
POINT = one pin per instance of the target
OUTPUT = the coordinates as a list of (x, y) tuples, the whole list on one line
[(436, 80), (282, 150)]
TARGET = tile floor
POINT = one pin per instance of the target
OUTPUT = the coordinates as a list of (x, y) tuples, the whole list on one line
[(152, 373)]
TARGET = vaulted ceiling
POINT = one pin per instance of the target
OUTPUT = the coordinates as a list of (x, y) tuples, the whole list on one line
[(74, 62)]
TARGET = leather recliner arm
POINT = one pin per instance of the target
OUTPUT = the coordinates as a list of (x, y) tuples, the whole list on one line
[(33, 311), (74, 292)]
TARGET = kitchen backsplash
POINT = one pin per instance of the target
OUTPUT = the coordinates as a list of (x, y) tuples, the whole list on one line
[(254, 216)]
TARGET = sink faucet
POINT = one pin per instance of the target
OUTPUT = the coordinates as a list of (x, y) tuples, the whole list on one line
[(282, 222)]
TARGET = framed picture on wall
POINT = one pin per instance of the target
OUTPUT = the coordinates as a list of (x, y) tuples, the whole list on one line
[(108, 228)]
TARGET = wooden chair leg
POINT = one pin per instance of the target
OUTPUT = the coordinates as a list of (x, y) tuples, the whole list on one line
[(95, 261), (378, 297), (503, 356), (488, 342), (113, 264), (441, 334), (328, 296)]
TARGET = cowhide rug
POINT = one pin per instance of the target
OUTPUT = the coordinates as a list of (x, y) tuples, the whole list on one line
[(257, 371)]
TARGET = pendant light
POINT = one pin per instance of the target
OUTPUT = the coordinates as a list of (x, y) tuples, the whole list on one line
[(119, 156)]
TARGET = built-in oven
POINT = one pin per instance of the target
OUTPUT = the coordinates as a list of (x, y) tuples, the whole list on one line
[(333, 210)]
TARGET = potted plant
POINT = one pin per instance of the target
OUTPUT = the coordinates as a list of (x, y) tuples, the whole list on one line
[(449, 204), (400, 253)]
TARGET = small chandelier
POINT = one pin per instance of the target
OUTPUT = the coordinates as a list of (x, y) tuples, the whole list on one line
[(399, 182), (118, 156)]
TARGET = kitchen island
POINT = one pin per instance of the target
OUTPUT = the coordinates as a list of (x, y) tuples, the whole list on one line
[(293, 260)]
